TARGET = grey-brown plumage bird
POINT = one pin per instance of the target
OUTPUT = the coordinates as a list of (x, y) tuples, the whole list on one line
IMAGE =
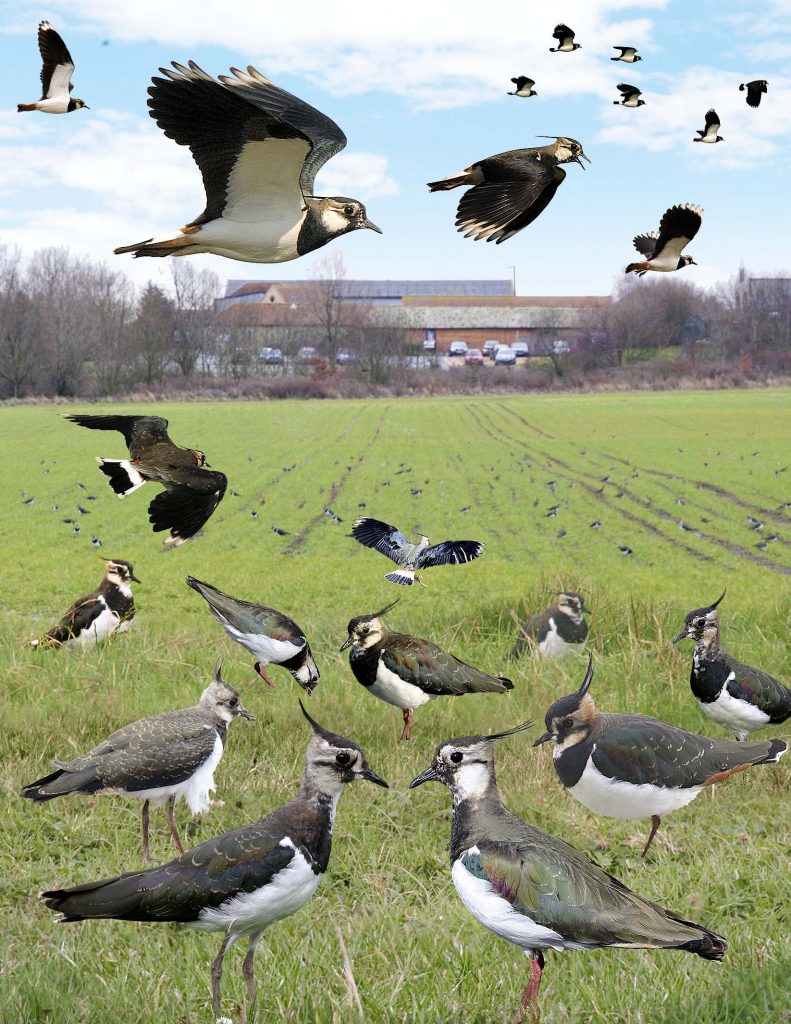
[(558, 630)]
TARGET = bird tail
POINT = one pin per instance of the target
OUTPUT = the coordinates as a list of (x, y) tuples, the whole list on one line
[(402, 577), (32, 106), (118, 897), (60, 783), (507, 684), (775, 751), (637, 268), (710, 946), (124, 478), (447, 183), (168, 247)]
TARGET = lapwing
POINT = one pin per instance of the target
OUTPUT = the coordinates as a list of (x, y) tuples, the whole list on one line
[(559, 630), (160, 759), (57, 67), (406, 671), (192, 491), (524, 87), (510, 189), (631, 766), (101, 614), (258, 149), (630, 96), (628, 54), (269, 635), (244, 880), (663, 249), (754, 91), (736, 696), (709, 133), (565, 38), (388, 540), (533, 889)]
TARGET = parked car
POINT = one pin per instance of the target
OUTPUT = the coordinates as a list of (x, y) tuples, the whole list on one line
[(458, 348), (474, 357), (344, 356), (520, 348), (429, 344), (271, 356), (307, 352), (560, 347), (504, 356), (490, 347)]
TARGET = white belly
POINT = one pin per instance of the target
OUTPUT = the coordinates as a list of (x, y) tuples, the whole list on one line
[(57, 105), (194, 790), (264, 647), (268, 241), (622, 800), (554, 646), (733, 714), (103, 626), (390, 688)]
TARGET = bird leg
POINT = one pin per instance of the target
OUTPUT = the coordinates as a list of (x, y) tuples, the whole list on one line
[(264, 676), (147, 859), (407, 723), (528, 1005), (216, 976), (655, 819), (172, 822), (249, 979)]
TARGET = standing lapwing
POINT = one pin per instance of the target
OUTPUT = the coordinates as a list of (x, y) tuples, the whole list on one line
[(243, 881), (535, 890), (406, 671), (663, 248), (754, 91), (269, 635), (106, 611), (510, 189), (709, 133), (388, 540), (192, 491), (565, 38), (258, 149), (628, 54), (631, 766), (524, 87), (558, 630), (736, 696), (57, 67), (161, 759), (630, 96)]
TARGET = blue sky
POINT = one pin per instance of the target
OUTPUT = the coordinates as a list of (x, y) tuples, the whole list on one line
[(420, 91)]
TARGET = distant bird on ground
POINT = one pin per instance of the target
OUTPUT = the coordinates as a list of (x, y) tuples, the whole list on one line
[(754, 91), (625, 549), (630, 96), (280, 531), (736, 696), (596, 524), (161, 759), (106, 611), (388, 540), (269, 635), (258, 149), (535, 890), (524, 87), (628, 54), (631, 766), (560, 629), (96, 542), (663, 249), (192, 492), (28, 501), (510, 189), (56, 71), (565, 38), (244, 880), (709, 133), (406, 671)]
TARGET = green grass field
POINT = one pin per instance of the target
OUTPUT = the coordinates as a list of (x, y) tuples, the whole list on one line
[(639, 463)]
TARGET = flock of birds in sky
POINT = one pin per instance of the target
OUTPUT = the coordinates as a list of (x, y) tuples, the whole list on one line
[(259, 148), (523, 884)]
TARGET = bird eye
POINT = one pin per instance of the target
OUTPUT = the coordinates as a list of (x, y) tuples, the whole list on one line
[(349, 211), (233, 702), (456, 756), (342, 759), (700, 622), (567, 723)]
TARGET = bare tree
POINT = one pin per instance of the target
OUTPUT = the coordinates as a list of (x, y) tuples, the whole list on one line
[(194, 292), (379, 347), (19, 347), (152, 333), (109, 326), (336, 320)]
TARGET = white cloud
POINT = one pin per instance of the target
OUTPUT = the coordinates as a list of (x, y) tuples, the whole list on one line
[(355, 175)]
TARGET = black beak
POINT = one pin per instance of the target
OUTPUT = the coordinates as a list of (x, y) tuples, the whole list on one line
[(246, 714), (429, 775), (348, 643), (681, 636), (587, 610), (133, 577), (543, 739), (370, 224), (371, 776)]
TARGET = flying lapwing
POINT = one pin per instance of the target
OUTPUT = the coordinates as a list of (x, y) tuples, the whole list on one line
[(663, 248), (565, 38), (559, 630), (754, 91), (524, 87), (735, 696), (192, 491), (388, 540), (631, 766), (709, 133), (244, 880), (258, 149), (533, 889), (101, 614), (57, 67), (161, 759), (406, 671), (270, 636), (628, 54), (510, 189), (630, 96)]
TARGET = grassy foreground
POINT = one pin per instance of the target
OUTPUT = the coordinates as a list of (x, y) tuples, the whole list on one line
[(639, 464)]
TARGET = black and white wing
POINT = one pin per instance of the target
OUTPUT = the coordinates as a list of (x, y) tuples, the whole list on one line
[(646, 243), (76, 620), (449, 552), (712, 125), (187, 503), (382, 537), (626, 52), (523, 82), (57, 66), (563, 34), (496, 210), (677, 228), (628, 91)]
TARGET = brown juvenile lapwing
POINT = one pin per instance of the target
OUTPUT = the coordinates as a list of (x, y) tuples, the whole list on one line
[(406, 671), (524, 87), (755, 91), (269, 635), (388, 540), (161, 759), (192, 491), (258, 149), (558, 630), (243, 881), (57, 67), (565, 38), (709, 133), (510, 189), (106, 611), (736, 696), (630, 96), (628, 54), (631, 766), (663, 248), (535, 890)]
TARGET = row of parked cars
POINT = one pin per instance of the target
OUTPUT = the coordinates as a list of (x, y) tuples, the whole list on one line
[(271, 356), (499, 353)]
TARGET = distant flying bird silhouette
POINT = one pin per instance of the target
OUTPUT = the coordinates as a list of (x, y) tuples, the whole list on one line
[(524, 87), (56, 70), (565, 38), (628, 54), (630, 96), (709, 133), (754, 91)]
